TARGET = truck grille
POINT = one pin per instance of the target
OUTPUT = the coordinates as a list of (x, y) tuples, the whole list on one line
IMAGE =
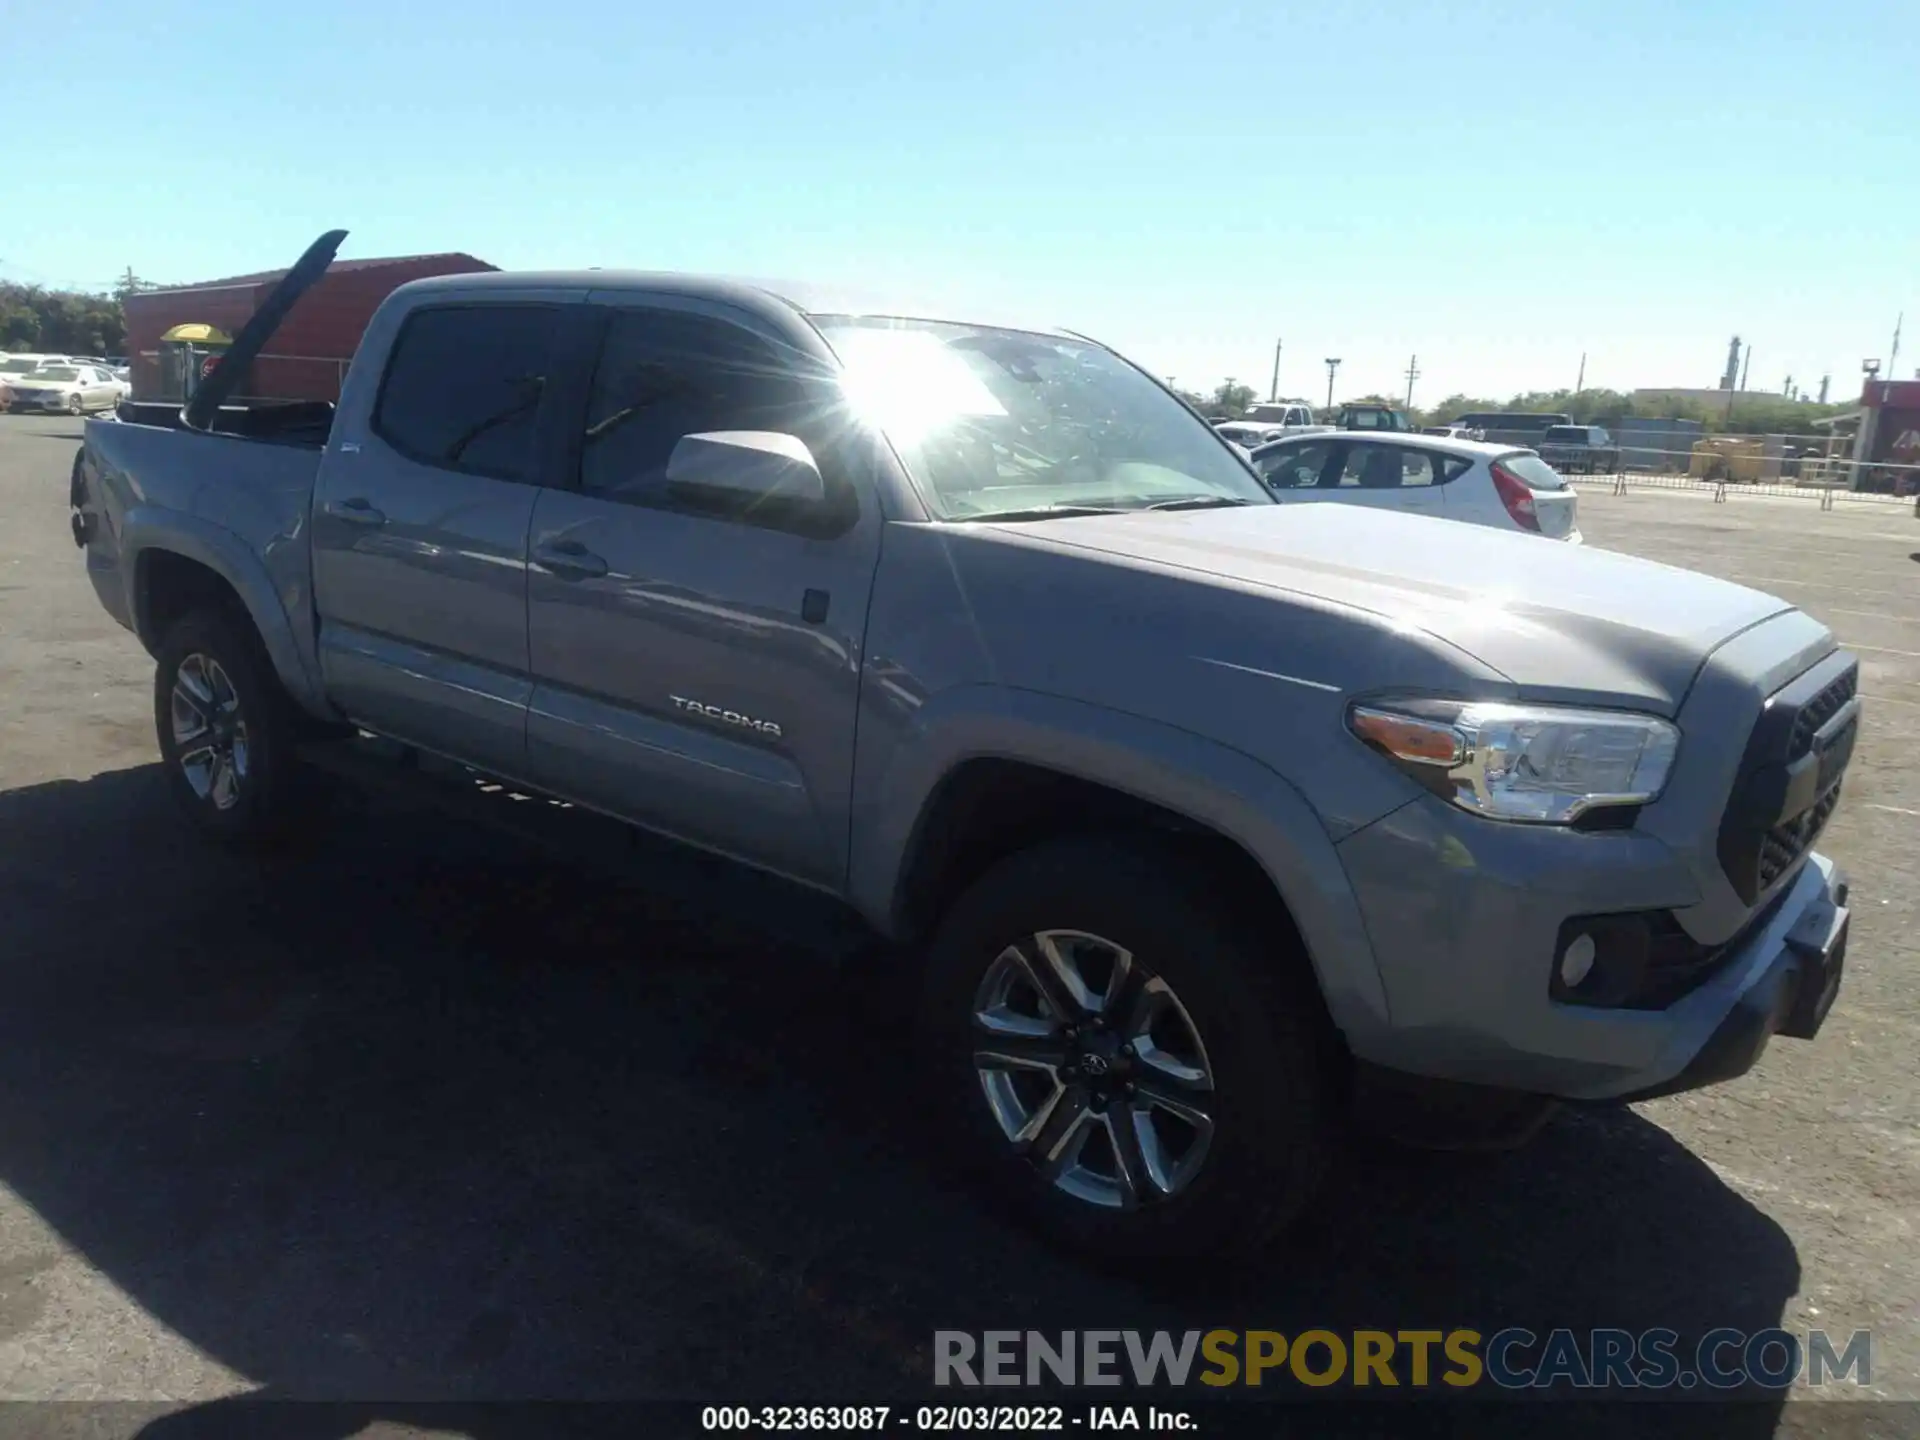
[(1786, 843), (1790, 775), (1822, 708)]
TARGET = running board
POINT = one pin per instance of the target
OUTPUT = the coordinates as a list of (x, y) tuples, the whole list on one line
[(783, 909)]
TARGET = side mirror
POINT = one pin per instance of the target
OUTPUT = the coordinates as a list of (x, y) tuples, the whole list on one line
[(747, 465)]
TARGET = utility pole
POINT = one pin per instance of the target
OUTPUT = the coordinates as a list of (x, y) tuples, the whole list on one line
[(1581, 383), (1273, 390), (1746, 365), (1413, 374), (1824, 381), (1333, 364), (1893, 355)]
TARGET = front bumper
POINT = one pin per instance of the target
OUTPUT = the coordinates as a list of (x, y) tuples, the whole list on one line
[(1464, 920), (1790, 996)]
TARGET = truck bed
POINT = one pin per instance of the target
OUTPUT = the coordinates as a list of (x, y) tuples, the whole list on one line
[(282, 422), (236, 502)]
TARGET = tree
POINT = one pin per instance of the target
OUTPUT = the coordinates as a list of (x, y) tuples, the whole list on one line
[(1230, 400), (130, 284), (62, 321)]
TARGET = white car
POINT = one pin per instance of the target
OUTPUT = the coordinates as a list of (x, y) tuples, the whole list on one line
[(1505, 486), (74, 389), (21, 362)]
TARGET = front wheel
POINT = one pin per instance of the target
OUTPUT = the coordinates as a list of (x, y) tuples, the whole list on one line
[(75, 405), (1122, 1058), (225, 728)]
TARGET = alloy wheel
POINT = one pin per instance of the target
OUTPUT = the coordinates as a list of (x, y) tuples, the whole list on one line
[(1093, 1069), (209, 731)]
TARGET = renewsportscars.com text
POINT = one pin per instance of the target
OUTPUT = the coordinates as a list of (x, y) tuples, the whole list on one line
[(1458, 1359)]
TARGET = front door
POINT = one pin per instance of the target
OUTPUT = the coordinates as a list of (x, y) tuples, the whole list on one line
[(697, 672), (420, 533)]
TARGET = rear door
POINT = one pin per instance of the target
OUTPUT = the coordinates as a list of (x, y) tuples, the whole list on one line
[(420, 529), (696, 671), (1384, 476)]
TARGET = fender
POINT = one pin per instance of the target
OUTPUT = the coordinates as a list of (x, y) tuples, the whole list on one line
[(1210, 783), (148, 528)]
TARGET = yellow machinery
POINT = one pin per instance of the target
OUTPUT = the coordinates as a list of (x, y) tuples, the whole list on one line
[(1727, 457)]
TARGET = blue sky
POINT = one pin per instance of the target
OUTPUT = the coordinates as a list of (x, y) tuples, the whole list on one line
[(1495, 187)]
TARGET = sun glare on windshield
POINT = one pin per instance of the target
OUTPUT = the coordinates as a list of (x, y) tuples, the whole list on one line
[(909, 383)]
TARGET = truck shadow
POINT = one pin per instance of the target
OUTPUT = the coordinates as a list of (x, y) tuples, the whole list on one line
[(415, 1114)]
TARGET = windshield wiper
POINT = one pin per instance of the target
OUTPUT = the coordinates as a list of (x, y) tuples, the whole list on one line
[(1048, 512), (1198, 502)]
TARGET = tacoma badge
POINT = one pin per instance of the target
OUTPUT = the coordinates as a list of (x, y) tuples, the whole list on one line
[(731, 717)]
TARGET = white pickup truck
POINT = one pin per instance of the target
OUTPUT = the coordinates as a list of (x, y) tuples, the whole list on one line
[(1271, 420)]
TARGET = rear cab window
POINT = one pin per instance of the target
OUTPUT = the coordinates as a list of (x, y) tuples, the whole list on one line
[(464, 385)]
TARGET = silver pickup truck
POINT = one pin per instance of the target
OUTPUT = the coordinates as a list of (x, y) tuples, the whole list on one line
[(1209, 819)]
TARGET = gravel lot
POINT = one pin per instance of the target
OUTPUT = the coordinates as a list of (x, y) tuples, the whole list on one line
[(417, 1114)]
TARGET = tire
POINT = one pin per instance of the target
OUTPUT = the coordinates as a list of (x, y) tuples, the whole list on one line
[(1244, 1016), (213, 655), (76, 406)]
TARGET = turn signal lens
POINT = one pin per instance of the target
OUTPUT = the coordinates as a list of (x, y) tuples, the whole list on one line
[(1423, 741)]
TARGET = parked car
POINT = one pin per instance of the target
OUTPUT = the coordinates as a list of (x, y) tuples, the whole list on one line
[(15, 363), (1271, 420), (1455, 432), (1197, 813), (75, 389), (1580, 450), (1497, 485), (1373, 417)]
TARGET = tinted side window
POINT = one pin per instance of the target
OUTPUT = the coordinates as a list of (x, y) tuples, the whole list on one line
[(463, 387), (1293, 467), (1385, 467), (665, 374)]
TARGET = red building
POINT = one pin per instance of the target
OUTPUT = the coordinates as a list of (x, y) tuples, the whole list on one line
[(306, 359), (1888, 441)]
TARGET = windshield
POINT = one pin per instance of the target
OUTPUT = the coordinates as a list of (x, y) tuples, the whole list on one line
[(57, 372), (993, 423), (1572, 434)]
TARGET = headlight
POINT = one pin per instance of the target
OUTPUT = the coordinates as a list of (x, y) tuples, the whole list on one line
[(1540, 763)]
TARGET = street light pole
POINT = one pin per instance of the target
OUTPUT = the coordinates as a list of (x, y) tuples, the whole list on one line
[(1273, 391), (1413, 374), (1333, 364)]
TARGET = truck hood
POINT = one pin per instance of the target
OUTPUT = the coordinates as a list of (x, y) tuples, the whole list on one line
[(1561, 622)]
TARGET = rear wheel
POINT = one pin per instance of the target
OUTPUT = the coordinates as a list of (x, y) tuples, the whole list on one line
[(1124, 1059), (226, 729)]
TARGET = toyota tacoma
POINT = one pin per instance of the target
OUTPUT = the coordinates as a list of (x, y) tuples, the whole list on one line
[(1204, 816)]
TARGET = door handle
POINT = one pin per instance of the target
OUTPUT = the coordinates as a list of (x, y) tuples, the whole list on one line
[(569, 559), (355, 512)]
